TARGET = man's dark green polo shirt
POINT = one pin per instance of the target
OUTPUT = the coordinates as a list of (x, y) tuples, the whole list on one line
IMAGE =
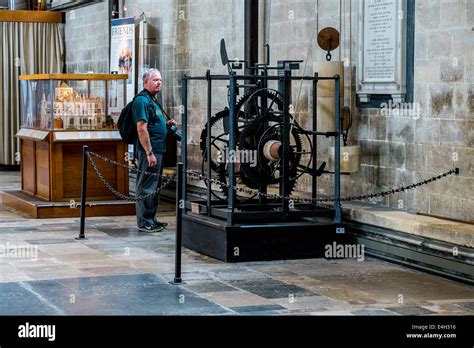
[(145, 108)]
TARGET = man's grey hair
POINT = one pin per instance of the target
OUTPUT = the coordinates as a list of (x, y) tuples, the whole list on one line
[(148, 73)]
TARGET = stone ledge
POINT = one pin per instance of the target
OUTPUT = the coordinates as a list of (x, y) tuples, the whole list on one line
[(453, 232)]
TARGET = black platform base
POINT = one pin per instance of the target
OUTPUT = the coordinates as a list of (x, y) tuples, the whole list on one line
[(260, 241)]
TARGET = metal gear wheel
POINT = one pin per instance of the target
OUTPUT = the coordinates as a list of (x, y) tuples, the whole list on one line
[(253, 128)]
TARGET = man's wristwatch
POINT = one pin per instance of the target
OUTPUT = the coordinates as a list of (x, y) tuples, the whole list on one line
[(149, 153)]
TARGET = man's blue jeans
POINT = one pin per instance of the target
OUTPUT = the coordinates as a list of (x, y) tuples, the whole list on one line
[(146, 209)]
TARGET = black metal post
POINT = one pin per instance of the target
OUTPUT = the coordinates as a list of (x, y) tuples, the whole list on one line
[(209, 133), (184, 135), (314, 183), (337, 153), (250, 47), (85, 159), (264, 83), (232, 130), (251, 34), (285, 183), (179, 226)]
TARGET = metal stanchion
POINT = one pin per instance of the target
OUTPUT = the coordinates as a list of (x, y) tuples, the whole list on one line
[(179, 214), (85, 159)]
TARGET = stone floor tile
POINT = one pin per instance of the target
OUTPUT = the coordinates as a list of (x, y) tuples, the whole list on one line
[(469, 306), (411, 310), (257, 310), (16, 276), (120, 271), (314, 303), (333, 313), (271, 288), (212, 286), (373, 311), (111, 295), (234, 299)]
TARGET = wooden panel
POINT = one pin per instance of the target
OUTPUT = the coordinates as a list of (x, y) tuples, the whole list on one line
[(42, 170), (31, 16), (57, 174), (39, 209), (122, 175), (19, 204), (74, 77), (53, 172), (28, 181), (72, 171), (125, 208)]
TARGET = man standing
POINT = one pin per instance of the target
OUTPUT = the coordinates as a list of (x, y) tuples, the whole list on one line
[(150, 146)]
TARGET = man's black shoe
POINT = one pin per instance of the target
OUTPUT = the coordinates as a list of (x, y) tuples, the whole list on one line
[(151, 229), (161, 224)]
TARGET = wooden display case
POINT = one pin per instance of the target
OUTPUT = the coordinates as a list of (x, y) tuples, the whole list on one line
[(51, 164), (60, 114)]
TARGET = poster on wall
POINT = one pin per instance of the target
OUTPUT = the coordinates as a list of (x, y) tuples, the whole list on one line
[(122, 51), (381, 52)]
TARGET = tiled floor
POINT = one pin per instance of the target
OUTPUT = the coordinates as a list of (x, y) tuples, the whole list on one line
[(120, 271)]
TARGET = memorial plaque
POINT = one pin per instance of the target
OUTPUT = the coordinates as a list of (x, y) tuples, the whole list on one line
[(382, 46)]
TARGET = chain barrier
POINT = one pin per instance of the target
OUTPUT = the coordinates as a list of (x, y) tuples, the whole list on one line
[(197, 176), (193, 175), (117, 164), (166, 180)]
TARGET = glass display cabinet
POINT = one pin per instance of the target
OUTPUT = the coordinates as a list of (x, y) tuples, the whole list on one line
[(71, 101), (59, 114)]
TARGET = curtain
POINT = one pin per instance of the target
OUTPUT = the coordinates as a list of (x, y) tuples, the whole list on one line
[(25, 48)]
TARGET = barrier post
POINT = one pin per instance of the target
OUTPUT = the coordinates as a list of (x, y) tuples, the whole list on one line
[(85, 159), (179, 218)]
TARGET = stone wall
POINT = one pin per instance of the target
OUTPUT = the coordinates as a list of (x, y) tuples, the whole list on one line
[(399, 150), (444, 134), (396, 150), (186, 31), (87, 39)]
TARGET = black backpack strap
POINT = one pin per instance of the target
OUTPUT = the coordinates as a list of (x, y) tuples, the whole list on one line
[(135, 97), (144, 93), (151, 115), (163, 110)]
